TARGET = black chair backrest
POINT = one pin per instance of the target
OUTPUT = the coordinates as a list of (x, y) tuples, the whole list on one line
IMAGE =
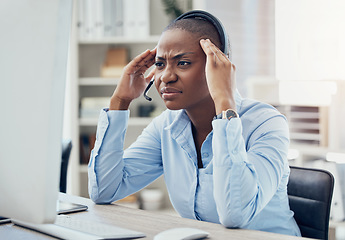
[(66, 151), (310, 195)]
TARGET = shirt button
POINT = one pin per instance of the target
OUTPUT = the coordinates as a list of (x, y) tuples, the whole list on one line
[(205, 155)]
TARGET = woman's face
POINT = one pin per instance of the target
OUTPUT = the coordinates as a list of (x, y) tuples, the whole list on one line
[(180, 70)]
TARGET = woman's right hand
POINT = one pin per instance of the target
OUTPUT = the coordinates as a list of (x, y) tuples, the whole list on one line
[(133, 82)]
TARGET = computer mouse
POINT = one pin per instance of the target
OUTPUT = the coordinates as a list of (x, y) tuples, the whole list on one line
[(181, 234)]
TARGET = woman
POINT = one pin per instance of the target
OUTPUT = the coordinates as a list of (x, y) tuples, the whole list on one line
[(223, 157)]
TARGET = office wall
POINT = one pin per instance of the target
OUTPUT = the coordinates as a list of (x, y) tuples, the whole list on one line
[(250, 25)]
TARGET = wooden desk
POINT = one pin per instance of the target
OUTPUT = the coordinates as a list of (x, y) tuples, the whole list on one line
[(150, 223)]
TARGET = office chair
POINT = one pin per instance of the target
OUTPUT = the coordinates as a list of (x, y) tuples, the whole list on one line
[(66, 151), (310, 195)]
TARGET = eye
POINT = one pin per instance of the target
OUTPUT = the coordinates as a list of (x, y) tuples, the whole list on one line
[(184, 63), (159, 64)]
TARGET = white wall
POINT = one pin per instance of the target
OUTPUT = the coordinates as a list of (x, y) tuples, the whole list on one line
[(250, 26)]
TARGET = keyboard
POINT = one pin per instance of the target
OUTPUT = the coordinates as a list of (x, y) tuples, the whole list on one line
[(68, 227)]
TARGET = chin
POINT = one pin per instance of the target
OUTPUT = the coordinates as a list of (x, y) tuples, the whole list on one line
[(173, 106)]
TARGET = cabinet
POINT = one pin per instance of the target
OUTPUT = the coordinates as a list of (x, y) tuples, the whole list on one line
[(308, 127), (314, 123), (88, 55), (308, 124)]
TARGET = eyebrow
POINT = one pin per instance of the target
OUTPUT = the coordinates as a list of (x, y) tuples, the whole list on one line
[(176, 56)]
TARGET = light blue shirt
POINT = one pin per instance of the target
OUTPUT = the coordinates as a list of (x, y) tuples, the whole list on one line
[(243, 182)]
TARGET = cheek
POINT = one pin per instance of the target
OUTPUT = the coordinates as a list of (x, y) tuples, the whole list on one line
[(200, 82), (198, 75)]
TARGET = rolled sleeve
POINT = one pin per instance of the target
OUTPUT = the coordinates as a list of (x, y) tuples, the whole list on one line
[(109, 143), (240, 191)]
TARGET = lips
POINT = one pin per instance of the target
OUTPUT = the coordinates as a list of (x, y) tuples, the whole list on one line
[(169, 93)]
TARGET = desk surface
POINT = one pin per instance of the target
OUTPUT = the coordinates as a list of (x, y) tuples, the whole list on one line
[(150, 223)]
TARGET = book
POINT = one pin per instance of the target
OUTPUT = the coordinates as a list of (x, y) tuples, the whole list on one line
[(90, 107), (115, 61)]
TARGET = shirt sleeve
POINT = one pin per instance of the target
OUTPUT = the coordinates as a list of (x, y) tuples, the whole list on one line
[(115, 173), (247, 175)]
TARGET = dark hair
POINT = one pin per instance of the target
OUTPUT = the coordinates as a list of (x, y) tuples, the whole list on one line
[(201, 28)]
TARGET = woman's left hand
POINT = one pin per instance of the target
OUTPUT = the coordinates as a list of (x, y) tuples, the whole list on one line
[(220, 76)]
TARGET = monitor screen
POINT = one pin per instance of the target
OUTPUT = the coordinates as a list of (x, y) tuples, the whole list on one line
[(34, 47)]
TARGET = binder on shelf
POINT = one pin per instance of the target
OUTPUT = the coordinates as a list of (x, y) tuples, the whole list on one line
[(88, 17), (81, 19), (118, 18), (129, 18), (107, 10), (142, 18), (113, 18), (98, 19), (136, 18)]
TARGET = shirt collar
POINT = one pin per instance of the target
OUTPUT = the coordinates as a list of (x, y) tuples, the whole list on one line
[(179, 124), (182, 121)]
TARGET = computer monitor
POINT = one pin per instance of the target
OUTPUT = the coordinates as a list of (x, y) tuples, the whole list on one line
[(34, 46)]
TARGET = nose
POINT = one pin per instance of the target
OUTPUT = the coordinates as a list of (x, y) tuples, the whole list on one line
[(168, 75)]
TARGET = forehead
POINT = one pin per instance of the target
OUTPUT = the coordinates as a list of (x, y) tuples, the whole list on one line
[(176, 41)]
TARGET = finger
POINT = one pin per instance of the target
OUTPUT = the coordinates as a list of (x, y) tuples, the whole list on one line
[(140, 57), (150, 75), (222, 57), (146, 63), (210, 52), (206, 46), (139, 61), (220, 54), (213, 52)]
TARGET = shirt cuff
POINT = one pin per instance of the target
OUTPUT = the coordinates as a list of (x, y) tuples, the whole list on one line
[(113, 121), (228, 144)]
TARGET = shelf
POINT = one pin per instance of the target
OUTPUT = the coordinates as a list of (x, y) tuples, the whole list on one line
[(133, 121), (121, 40), (305, 136), (304, 115), (98, 81), (302, 125)]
